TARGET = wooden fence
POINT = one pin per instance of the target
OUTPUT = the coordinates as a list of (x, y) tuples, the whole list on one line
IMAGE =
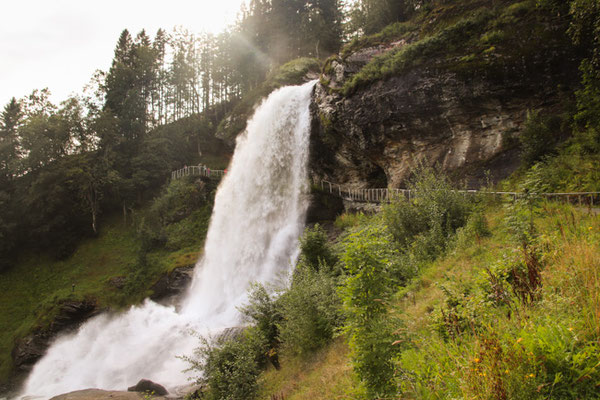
[(200, 170), (385, 195)]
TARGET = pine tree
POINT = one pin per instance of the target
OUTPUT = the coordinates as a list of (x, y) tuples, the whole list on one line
[(159, 92), (10, 121)]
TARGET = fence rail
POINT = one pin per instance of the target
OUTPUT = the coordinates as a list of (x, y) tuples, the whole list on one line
[(200, 170), (385, 195)]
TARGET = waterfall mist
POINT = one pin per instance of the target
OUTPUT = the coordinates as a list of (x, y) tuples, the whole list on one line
[(257, 218)]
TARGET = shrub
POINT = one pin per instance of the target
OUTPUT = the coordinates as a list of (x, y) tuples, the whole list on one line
[(369, 260), (311, 311), (229, 368), (435, 212), (315, 251), (475, 229), (265, 313), (540, 137)]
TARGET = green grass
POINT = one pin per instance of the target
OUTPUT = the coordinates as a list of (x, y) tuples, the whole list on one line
[(503, 40), (519, 350), (31, 292), (326, 374), (546, 348)]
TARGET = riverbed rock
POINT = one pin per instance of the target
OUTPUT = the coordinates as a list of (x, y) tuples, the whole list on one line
[(147, 386), (97, 394)]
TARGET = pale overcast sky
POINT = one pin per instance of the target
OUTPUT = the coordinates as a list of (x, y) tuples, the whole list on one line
[(60, 43)]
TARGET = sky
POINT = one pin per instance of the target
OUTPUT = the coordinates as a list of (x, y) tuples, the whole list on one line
[(59, 44)]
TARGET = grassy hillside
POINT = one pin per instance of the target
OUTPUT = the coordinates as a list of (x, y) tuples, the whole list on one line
[(114, 270), (471, 328)]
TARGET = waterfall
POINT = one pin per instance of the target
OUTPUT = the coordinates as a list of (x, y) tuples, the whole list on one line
[(258, 216)]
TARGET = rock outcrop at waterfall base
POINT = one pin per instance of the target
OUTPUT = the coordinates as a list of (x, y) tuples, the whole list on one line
[(97, 394), (462, 116), (147, 386), (32, 347)]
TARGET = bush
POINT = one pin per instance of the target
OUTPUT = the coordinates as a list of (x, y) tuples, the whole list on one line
[(475, 229), (370, 259), (435, 212), (311, 311), (179, 217), (265, 313), (315, 251), (540, 137), (229, 368)]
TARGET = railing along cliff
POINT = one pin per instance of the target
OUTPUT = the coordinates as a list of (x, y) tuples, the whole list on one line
[(200, 170), (385, 195)]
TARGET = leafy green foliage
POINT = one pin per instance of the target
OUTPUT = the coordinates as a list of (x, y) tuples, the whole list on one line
[(588, 104), (369, 260), (315, 250), (539, 137), (310, 309), (265, 312), (229, 367), (180, 215), (433, 214)]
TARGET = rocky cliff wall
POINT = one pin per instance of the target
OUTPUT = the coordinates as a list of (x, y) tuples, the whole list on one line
[(464, 121)]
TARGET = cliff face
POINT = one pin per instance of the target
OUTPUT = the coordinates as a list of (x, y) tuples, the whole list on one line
[(464, 120)]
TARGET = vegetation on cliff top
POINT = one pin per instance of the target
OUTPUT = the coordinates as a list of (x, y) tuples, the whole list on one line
[(505, 39)]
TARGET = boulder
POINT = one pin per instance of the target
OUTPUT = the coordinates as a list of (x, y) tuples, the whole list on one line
[(172, 284), (97, 394), (147, 386)]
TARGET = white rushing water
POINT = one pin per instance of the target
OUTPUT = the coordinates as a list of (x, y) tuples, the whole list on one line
[(253, 237)]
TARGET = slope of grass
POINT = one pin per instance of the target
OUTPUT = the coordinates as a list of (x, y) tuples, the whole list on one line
[(502, 346), (472, 331), (112, 270), (31, 290), (326, 374)]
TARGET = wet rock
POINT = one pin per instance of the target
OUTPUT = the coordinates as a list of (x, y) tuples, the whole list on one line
[(97, 394), (31, 348), (172, 284), (233, 333), (147, 386)]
